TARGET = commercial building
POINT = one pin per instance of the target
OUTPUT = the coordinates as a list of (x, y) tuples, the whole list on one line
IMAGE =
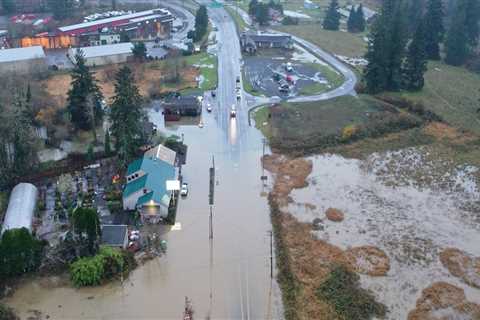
[(102, 55), (152, 185), (98, 38), (22, 60), (149, 24), (252, 41), (21, 207)]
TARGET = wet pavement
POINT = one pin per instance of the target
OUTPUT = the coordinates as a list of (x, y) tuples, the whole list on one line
[(227, 278)]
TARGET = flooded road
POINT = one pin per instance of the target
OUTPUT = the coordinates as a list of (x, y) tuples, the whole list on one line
[(228, 278)]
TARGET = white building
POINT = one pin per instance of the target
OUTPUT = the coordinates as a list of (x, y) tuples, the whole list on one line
[(102, 55), (21, 207), (23, 60)]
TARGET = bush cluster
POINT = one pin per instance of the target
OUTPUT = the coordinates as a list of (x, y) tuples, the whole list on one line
[(107, 264)]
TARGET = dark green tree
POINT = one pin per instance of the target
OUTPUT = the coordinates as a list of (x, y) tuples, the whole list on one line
[(126, 116), (86, 225), (472, 21), (261, 14), (415, 64), (9, 6), (114, 4), (90, 153), (352, 20), (434, 29), (201, 23), (106, 145), (252, 7), (20, 252), (84, 96), (360, 19), (386, 49), (456, 43), (139, 51), (62, 9), (414, 14), (332, 17)]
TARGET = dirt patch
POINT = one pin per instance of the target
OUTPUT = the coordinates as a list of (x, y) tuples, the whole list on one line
[(369, 260), (443, 131), (149, 80), (289, 174), (444, 301), (462, 265), (334, 215)]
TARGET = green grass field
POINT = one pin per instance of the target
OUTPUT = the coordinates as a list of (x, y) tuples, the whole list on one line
[(241, 25)]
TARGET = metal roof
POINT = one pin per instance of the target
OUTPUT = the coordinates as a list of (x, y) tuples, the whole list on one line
[(19, 54), (21, 207), (105, 50), (114, 235), (107, 20), (163, 153)]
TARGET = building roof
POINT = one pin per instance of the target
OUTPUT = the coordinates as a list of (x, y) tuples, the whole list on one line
[(163, 153), (19, 54), (106, 20), (182, 101), (21, 207), (114, 235), (267, 37), (106, 50), (157, 172), (163, 18)]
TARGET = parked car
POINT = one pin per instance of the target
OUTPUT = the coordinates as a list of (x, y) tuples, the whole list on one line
[(184, 189)]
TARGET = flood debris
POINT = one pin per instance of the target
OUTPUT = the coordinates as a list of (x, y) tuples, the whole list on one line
[(462, 265), (334, 215), (443, 301)]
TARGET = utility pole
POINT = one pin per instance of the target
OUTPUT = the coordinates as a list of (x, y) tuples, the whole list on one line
[(211, 196), (271, 254)]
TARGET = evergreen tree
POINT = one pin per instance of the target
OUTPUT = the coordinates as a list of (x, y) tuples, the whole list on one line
[(106, 145), (352, 20), (252, 7), (9, 6), (61, 9), (332, 18), (360, 19), (386, 49), (456, 44), (415, 64), (84, 97), (139, 51), (415, 14), (434, 29), (261, 14), (201, 23), (126, 116), (86, 225), (472, 20)]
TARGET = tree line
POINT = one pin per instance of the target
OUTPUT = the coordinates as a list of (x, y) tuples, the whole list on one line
[(260, 11), (398, 59)]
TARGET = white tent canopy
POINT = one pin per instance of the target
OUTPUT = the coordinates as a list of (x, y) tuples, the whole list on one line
[(21, 207)]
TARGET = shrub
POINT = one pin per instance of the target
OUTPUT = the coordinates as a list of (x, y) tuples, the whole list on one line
[(343, 292), (107, 264), (348, 132), (7, 313)]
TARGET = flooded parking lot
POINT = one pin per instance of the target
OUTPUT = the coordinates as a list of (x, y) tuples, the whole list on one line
[(413, 208)]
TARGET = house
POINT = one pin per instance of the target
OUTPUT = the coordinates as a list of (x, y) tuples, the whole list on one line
[(21, 207), (23, 60), (102, 55), (252, 41), (152, 185), (308, 4), (115, 236), (176, 107)]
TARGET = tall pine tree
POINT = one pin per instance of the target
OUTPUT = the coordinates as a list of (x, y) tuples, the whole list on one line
[(434, 29), (126, 116), (415, 64), (332, 18), (352, 20), (386, 49), (83, 93), (360, 19), (472, 21), (456, 43)]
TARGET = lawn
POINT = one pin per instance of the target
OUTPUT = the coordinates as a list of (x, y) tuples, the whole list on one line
[(301, 120), (451, 92), (240, 23), (334, 78), (337, 42)]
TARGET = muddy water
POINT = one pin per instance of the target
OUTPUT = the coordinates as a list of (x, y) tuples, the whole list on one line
[(406, 205), (233, 284)]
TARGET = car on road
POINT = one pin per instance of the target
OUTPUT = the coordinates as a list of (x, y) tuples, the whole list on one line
[(233, 112), (214, 94), (238, 79), (239, 96), (209, 108), (289, 67), (184, 189)]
